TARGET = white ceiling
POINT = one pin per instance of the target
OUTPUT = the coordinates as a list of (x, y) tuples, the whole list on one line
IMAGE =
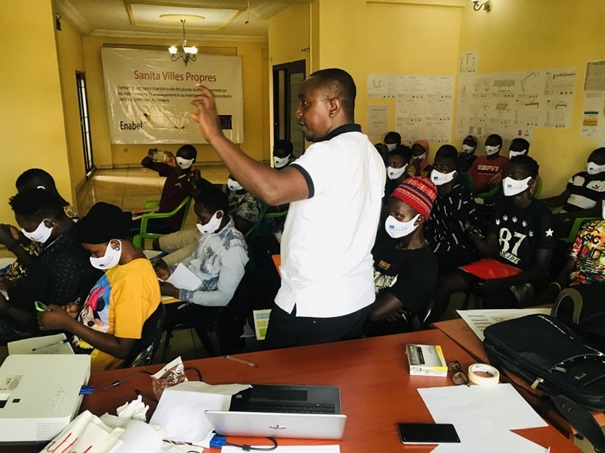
[(141, 18)]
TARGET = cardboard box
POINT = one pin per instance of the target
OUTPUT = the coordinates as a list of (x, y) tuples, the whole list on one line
[(426, 360)]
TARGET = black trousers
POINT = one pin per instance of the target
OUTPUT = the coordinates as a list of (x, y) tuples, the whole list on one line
[(287, 330)]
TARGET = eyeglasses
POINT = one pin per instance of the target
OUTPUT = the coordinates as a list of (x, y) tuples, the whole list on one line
[(459, 377)]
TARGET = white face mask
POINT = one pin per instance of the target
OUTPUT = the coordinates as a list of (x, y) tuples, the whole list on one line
[(512, 187), (234, 185), (184, 164), (421, 157), (390, 146), (40, 234), (281, 162), (594, 169), (442, 178), (213, 224), (394, 173), (512, 153), (490, 150), (468, 149), (397, 229), (110, 259)]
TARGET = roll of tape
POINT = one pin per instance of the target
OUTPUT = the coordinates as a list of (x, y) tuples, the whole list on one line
[(483, 374)]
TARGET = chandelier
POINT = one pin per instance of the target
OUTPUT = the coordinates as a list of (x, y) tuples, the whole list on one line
[(183, 51)]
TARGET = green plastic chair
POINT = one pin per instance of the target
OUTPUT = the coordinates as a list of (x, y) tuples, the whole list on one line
[(538, 189), (467, 180), (139, 239), (577, 224), (263, 215)]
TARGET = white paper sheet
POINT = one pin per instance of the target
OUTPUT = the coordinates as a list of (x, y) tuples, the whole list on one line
[(51, 344), (479, 320), (292, 449), (478, 435), (183, 278), (500, 404), (181, 410)]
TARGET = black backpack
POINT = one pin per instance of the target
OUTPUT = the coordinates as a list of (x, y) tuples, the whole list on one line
[(556, 361)]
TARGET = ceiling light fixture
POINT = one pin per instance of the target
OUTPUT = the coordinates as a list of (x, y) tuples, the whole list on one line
[(183, 51), (486, 6)]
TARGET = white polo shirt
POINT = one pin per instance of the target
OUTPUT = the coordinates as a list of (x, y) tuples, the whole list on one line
[(327, 265)]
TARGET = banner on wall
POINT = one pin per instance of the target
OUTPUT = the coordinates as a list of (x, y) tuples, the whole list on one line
[(149, 96)]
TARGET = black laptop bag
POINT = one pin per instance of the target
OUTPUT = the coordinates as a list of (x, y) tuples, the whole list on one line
[(554, 360)]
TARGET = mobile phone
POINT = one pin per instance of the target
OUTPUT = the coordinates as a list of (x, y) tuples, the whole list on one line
[(427, 433)]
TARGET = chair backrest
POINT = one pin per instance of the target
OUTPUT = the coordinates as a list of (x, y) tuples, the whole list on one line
[(575, 227), (257, 224), (538, 188), (139, 239), (145, 347), (467, 180)]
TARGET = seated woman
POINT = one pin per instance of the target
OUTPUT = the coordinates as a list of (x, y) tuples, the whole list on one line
[(405, 269), (218, 260), (111, 319), (25, 250), (520, 241), (62, 272)]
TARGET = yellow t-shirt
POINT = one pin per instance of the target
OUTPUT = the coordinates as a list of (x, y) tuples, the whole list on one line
[(119, 304)]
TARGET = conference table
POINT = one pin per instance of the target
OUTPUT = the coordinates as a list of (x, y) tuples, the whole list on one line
[(377, 390), (459, 332)]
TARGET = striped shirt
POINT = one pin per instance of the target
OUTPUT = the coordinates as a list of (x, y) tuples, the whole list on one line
[(444, 230), (585, 191)]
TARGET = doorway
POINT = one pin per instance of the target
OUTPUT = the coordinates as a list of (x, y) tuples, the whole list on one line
[(287, 79), (85, 124)]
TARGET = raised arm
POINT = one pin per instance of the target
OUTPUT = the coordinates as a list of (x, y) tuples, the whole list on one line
[(272, 186)]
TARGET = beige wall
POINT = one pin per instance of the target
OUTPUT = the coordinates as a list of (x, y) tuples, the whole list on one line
[(366, 37), (32, 126), (521, 35), (254, 87)]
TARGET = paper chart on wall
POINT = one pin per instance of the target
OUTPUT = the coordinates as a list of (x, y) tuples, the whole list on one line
[(593, 112), (378, 120), (512, 104), (423, 104), (468, 62)]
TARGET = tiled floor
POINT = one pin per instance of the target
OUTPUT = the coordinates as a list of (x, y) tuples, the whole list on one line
[(130, 188)]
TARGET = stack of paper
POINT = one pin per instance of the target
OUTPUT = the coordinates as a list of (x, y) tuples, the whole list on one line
[(479, 320)]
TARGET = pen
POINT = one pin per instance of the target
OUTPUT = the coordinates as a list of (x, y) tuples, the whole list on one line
[(40, 306), (49, 345), (237, 359)]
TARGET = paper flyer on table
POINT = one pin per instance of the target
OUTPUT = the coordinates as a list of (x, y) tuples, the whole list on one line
[(479, 320), (500, 404)]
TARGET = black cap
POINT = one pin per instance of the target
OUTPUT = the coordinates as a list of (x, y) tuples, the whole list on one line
[(103, 223)]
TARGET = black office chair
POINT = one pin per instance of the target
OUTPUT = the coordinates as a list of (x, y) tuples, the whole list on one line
[(145, 347), (217, 326), (206, 328)]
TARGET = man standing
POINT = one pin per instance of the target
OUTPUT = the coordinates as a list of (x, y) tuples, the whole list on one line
[(335, 190)]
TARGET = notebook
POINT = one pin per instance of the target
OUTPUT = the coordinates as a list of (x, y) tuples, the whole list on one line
[(298, 411)]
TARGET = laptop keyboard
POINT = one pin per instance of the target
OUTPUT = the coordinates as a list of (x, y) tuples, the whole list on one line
[(290, 407)]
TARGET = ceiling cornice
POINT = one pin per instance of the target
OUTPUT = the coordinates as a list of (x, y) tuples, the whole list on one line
[(190, 37), (67, 11)]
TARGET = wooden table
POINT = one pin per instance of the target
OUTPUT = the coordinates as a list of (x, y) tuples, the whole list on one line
[(376, 388), (459, 331)]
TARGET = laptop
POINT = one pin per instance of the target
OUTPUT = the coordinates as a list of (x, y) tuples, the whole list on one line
[(297, 411)]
